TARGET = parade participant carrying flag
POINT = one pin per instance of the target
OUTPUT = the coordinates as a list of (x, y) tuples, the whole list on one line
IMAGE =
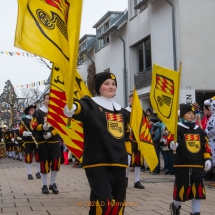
[(51, 29), (140, 128)]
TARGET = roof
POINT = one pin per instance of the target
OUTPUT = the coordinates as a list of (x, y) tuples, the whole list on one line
[(105, 17), (117, 24), (85, 37)]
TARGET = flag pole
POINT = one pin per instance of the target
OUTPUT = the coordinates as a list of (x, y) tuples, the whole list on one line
[(73, 29), (176, 115)]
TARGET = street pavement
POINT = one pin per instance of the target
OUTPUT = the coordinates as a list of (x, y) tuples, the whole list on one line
[(20, 196)]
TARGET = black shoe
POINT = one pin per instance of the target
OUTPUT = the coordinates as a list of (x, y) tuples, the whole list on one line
[(20, 159), (14, 158), (54, 189), (155, 172), (9, 157), (197, 213), (38, 175), (17, 159), (138, 185), (45, 190), (30, 177), (174, 210)]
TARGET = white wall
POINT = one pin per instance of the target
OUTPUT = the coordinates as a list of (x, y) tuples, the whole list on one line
[(111, 56), (197, 38), (161, 33)]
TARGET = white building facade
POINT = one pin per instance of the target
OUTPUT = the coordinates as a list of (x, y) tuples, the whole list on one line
[(165, 32)]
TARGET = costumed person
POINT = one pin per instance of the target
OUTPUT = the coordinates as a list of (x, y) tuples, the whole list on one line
[(135, 157), (104, 156), (7, 136), (155, 132), (13, 139), (210, 130), (29, 142), (48, 147), (192, 154), (19, 142), (207, 115), (204, 122)]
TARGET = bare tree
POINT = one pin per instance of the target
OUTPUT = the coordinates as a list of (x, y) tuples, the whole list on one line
[(30, 94), (9, 101), (91, 70)]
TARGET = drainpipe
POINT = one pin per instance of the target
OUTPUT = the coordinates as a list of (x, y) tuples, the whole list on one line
[(124, 58), (173, 34)]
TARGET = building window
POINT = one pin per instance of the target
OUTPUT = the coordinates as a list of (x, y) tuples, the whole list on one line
[(106, 40), (100, 42), (106, 26), (144, 55), (143, 77), (133, 11)]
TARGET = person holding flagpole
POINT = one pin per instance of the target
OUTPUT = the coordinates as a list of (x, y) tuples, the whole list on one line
[(105, 157), (30, 146), (135, 155), (192, 154), (48, 146)]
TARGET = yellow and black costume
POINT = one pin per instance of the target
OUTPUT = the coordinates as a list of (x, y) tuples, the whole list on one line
[(48, 149), (193, 150), (30, 145), (105, 158)]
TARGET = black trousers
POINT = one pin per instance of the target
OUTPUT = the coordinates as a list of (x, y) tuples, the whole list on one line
[(30, 150), (108, 190), (49, 157), (188, 184)]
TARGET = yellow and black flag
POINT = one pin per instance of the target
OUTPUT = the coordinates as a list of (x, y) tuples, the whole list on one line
[(73, 137), (164, 96), (140, 127), (50, 29)]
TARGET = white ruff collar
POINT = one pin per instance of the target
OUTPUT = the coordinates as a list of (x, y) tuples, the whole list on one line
[(29, 116), (181, 124), (106, 103), (128, 108), (44, 109)]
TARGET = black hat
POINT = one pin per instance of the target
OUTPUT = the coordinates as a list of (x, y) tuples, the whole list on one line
[(149, 110), (28, 108), (101, 77), (206, 107), (184, 108)]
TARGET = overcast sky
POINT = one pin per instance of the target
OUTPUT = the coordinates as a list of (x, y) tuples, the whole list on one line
[(25, 70)]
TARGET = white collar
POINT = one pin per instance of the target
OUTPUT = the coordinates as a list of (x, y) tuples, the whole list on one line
[(128, 108), (29, 116), (181, 124), (44, 109), (106, 103)]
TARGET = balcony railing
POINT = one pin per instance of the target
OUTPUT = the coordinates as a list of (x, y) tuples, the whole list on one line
[(143, 79)]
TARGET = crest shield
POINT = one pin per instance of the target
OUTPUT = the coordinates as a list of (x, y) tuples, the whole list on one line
[(164, 95), (192, 142), (115, 125)]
